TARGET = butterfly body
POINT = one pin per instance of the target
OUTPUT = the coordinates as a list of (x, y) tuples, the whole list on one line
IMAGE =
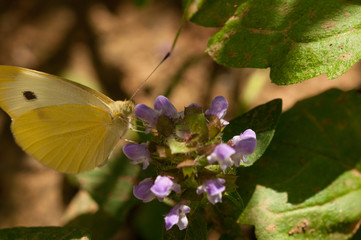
[(65, 125)]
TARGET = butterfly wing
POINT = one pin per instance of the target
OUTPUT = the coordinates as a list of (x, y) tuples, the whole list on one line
[(68, 138), (22, 90), (65, 125)]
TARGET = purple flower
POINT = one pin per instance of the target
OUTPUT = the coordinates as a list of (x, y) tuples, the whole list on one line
[(214, 189), (147, 114), (142, 190), (177, 215), (218, 108), (222, 153), (244, 144), (164, 106), (163, 186), (138, 153)]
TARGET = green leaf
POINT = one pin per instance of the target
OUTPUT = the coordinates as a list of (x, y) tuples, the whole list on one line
[(176, 146), (38, 233), (101, 224), (197, 125), (197, 228), (298, 40), (227, 213), (111, 186), (149, 219), (211, 13), (235, 199), (307, 184), (263, 120)]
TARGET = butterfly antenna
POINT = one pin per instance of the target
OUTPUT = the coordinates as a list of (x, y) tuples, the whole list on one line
[(145, 80), (168, 53)]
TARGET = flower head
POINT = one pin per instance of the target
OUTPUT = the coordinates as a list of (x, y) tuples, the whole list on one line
[(244, 144), (178, 143), (214, 189), (142, 190), (138, 153), (177, 216), (222, 153), (163, 186)]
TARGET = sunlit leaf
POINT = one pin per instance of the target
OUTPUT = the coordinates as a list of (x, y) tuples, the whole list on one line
[(298, 40)]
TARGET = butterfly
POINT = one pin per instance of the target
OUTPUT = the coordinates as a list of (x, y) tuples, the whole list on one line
[(65, 125)]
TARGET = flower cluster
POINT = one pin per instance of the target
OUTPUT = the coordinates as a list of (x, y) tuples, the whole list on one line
[(187, 151)]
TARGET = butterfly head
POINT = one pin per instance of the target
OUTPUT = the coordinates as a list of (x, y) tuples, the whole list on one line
[(128, 107), (122, 109)]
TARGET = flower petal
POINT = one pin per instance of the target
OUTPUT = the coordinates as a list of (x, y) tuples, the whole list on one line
[(142, 190), (163, 186), (177, 215), (238, 158), (182, 223), (138, 153), (171, 219), (215, 186), (218, 107), (165, 107), (214, 189), (212, 158), (201, 189), (226, 163), (147, 114), (245, 143), (223, 151)]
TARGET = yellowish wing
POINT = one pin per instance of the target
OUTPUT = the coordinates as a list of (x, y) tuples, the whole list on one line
[(68, 138), (22, 90)]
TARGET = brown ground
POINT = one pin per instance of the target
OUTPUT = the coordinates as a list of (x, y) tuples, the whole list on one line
[(121, 47)]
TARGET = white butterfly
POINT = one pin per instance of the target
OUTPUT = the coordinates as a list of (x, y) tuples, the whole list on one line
[(65, 125)]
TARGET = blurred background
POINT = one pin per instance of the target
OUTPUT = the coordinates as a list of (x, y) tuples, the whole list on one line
[(112, 46)]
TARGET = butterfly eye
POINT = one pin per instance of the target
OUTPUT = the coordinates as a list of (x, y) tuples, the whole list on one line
[(128, 107)]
